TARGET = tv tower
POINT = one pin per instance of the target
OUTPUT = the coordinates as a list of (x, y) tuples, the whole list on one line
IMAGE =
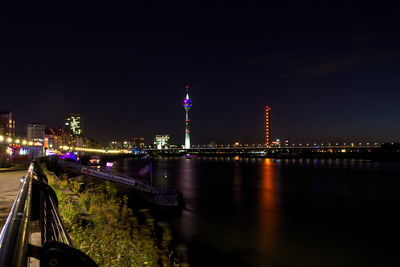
[(187, 104)]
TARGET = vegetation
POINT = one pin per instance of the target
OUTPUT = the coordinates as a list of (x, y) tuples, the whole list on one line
[(101, 225)]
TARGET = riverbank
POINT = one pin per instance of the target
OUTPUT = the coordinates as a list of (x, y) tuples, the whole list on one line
[(100, 224)]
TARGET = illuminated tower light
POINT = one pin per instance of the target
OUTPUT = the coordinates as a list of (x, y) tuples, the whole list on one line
[(267, 126), (187, 104)]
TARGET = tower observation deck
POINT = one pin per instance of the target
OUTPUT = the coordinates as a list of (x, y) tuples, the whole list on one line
[(187, 104)]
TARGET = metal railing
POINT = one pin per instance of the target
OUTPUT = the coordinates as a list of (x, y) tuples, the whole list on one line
[(37, 201), (16, 231)]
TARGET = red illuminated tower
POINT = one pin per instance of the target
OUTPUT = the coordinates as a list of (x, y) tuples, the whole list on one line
[(267, 126)]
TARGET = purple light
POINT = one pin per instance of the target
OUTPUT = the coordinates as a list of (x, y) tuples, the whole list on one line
[(187, 103), (68, 155), (109, 164)]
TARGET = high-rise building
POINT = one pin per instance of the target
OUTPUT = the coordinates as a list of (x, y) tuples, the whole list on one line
[(35, 132), (161, 141), (187, 104), (7, 123), (74, 123), (267, 126)]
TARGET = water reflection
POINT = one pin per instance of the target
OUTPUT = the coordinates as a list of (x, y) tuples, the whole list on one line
[(301, 212), (237, 183), (187, 182), (268, 208)]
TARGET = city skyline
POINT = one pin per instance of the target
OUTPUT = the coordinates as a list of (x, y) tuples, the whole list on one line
[(269, 139), (326, 79)]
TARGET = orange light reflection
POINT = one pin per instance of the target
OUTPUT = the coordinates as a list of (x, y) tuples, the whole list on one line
[(268, 213)]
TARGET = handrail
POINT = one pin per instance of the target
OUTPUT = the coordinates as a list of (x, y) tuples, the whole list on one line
[(37, 200), (16, 231), (62, 233)]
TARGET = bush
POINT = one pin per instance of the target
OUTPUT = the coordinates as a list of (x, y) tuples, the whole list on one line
[(101, 225)]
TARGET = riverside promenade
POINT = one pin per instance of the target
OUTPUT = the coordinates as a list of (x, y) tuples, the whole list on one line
[(9, 186), (10, 179)]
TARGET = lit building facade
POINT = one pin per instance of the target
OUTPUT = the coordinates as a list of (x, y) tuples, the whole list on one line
[(59, 137), (267, 126), (74, 122), (7, 123), (161, 141), (63, 137), (35, 132), (138, 142), (187, 104), (115, 144), (127, 144)]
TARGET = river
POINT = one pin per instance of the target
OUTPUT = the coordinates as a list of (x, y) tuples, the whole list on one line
[(288, 212)]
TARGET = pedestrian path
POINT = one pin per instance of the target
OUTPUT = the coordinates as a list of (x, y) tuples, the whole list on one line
[(9, 185)]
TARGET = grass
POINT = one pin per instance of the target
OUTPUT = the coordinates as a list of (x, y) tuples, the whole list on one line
[(102, 225)]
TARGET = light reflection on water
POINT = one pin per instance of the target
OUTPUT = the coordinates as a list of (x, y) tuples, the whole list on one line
[(268, 207), (237, 183), (288, 212), (187, 182)]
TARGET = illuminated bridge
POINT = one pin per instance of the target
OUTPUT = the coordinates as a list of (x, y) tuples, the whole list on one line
[(312, 147), (272, 151), (258, 149)]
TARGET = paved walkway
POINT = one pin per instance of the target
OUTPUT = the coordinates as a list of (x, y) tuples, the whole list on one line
[(9, 186)]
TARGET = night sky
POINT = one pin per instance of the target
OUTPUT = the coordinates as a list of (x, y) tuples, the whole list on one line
[(329, 71)]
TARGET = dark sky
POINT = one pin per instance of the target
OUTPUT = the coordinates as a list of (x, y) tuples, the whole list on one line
[(330, 71)]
